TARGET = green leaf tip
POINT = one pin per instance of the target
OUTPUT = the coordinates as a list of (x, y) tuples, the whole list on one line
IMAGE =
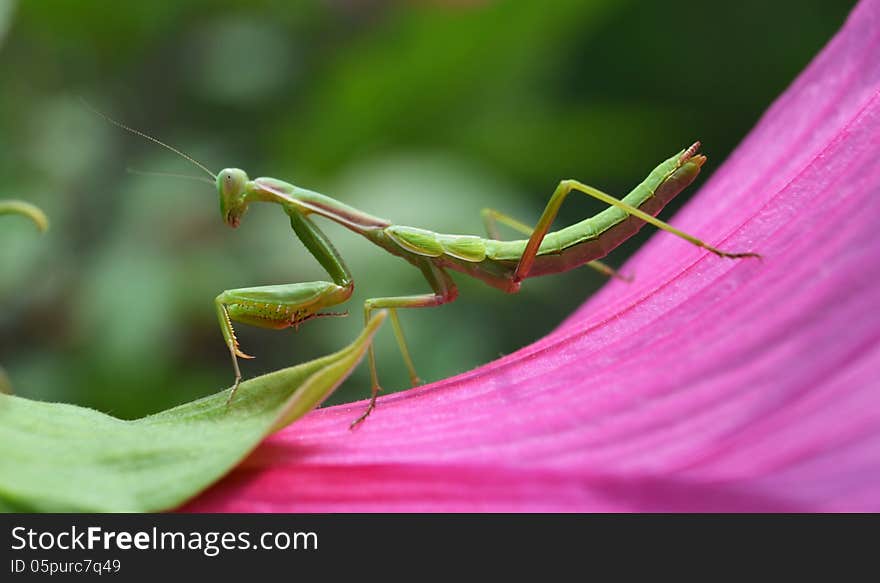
[(56, 457), (26, 209)]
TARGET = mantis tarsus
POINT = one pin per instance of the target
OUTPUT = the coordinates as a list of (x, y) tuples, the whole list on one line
[(501, 264)]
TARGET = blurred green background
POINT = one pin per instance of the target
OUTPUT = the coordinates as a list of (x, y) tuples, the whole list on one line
[(419, 112)]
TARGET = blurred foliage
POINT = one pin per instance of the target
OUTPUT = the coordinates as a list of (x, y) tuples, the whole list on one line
[(420, 112)]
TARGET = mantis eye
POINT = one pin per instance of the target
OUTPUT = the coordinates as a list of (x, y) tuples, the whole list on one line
[(232, 181), (230, 184)]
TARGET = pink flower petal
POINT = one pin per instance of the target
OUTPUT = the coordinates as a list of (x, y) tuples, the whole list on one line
[(707, 384)]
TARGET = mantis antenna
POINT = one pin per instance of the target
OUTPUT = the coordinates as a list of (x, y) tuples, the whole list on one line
[(169, 175), (148, 137)]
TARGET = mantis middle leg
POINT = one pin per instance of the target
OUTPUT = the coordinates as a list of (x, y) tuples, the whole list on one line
[(491, 216), (444, 292), (558, 197), (282, 306)]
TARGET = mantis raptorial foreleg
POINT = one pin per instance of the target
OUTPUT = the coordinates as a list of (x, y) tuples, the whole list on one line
[(444, 292), (491, 216), (282, 306), (273, 306), (558, 197)]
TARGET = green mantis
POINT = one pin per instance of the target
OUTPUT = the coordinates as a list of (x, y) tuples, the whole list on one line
[(501, 264), (19, 207)]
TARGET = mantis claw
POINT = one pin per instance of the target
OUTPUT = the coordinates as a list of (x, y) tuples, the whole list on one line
[(241, 354)]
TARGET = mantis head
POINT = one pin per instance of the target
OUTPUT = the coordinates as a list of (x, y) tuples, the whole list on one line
[(232, 186)]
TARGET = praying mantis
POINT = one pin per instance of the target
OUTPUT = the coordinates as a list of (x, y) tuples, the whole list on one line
[(20, 207), (503, 265)]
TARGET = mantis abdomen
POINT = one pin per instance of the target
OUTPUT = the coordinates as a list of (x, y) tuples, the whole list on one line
[(494, 261)]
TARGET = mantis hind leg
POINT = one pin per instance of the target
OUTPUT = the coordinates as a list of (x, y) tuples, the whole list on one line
[(558, 197), (276, 307), (444, 292), (491, 217)]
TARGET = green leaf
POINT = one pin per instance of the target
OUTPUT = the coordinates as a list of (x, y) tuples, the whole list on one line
[(56, 457)]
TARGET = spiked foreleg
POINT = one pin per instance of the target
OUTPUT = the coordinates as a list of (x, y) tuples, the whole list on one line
[(282, 306)]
